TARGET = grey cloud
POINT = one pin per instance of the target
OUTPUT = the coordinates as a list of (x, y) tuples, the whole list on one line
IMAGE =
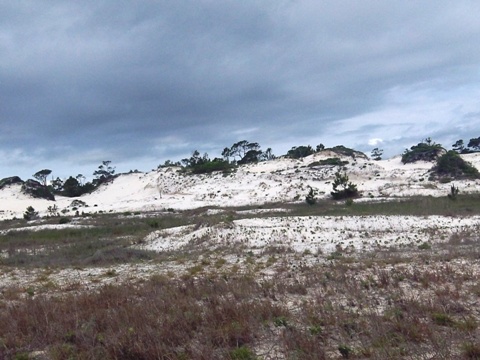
[(116, 76)]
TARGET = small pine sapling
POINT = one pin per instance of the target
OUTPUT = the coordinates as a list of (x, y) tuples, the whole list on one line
[(30, 214), (453, 192), (343, 188), (310, 199)]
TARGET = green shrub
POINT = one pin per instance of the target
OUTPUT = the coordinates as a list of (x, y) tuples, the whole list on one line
[(442, 319), (298, 152), (280, 321), (64, 220), (310, 198), (22, 356), (30, 291), (37, 190), (242, 353), (30, 214), (453, 192), (53, 210), (315, 330), (334, 255), (343, 188), (471, 351), (424, 151), (345, 351), (9, 181), (425, 246), (343, 150), (451, 165), (153, 224), (211, 166), (335, 161)]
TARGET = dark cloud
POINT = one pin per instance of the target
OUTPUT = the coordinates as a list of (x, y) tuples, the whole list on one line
[(141, 82)]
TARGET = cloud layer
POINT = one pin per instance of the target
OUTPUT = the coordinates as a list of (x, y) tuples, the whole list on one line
[(141, 82)]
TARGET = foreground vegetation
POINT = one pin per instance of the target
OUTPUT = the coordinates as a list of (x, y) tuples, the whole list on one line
[(389, 306), (236, 302)]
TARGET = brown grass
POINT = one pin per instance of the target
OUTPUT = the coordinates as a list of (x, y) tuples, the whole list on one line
[(340, 309), (240, 303)]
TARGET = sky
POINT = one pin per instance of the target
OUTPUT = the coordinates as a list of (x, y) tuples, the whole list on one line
[(141, 82)]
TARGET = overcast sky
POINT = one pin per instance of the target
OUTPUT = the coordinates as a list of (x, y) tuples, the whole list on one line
[(140, 82)]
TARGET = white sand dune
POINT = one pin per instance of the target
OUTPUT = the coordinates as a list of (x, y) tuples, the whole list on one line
[(318, 233), (281, 180)]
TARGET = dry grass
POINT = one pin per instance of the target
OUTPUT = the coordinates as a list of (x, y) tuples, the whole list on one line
[(235, 302), (383, 307)]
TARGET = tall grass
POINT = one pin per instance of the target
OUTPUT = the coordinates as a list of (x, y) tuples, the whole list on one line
[(414, 206), (274, 303), (377, 308), (106, 241)]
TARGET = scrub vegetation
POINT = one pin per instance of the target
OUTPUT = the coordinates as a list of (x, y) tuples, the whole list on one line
[(236, 302)]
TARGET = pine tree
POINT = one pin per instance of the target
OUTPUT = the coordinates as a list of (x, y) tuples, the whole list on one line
[(377, 154), (459, 146), (30, 214), (310, 199), (343, 188)]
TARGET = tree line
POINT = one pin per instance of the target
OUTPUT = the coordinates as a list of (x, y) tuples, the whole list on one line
[(240, 153), (76, 186)]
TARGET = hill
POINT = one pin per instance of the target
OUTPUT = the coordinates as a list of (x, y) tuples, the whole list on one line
[(161, 262), (280, 180)]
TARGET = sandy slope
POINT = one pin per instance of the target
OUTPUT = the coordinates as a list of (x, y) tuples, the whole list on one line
[(274, 181), (318, 233)]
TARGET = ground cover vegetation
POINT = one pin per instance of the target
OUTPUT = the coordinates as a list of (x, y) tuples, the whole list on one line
[(235, 302)]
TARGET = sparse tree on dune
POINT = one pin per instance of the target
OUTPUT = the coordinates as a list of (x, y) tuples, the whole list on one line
[(474, 144), (42, 175), (104, 173), (377, 154), (226, 153), (459, 146), (268, 155)]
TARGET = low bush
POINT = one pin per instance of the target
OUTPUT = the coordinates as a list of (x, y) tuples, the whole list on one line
[(343, 150), (343, 188), (242, 353), (298, 152), (330, 161), (30, 214), (211, 166), (451, 165), (423, 151), (311, 197), (37, 190)]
